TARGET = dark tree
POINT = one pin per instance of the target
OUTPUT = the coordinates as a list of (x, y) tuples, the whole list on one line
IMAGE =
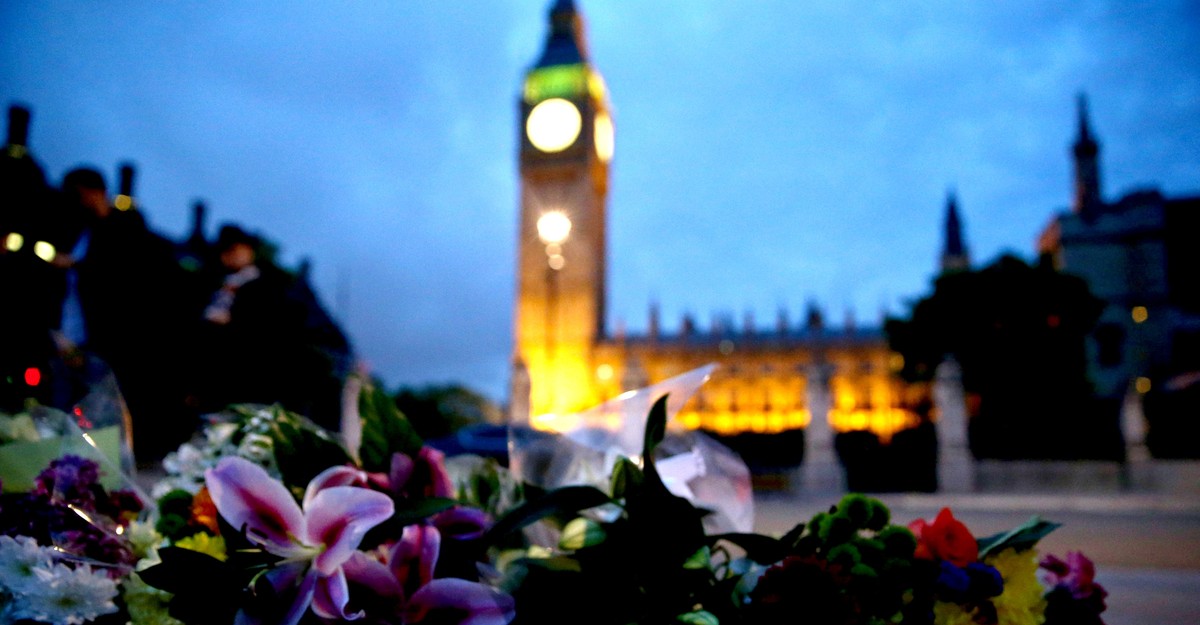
[(1018, 331)]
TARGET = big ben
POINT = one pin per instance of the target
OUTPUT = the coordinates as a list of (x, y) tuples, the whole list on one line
[(566, 143)]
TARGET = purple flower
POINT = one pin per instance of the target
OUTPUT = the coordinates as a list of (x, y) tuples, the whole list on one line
[(315, 541), (1077, 575), (423, 476), (70, 478)]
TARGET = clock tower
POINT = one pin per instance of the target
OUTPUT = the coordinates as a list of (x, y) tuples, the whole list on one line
[(566, 142)]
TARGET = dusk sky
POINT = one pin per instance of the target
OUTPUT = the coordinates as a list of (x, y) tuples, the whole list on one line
[(768, 154)]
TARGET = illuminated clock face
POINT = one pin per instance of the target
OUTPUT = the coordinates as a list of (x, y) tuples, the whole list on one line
[(603, 136), (553, 125)]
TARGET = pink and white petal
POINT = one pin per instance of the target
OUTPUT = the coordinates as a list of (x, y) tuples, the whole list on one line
[(247, 497), (460, 602), (334, 476), (373, 587), (414, 558), (332, 596), (440, 483), (338, 518)]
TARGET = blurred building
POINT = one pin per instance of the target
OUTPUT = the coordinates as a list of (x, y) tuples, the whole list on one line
[(770, 380), (1139, 254)]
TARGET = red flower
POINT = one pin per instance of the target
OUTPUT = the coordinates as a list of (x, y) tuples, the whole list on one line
[(945, 539)]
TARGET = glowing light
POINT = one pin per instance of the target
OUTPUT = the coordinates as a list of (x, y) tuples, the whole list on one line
[(1142, 385), (33, 376), (123, 202), (604, 372), (896, 362), (556, 261), (14, 242), (44, 251), (1139, 314), (554, 227), (603, 136), (553, 125), (626, 395)]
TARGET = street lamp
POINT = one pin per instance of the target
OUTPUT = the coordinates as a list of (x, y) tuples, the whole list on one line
[(553, 229)]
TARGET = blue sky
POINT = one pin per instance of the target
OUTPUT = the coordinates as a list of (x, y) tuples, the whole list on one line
[(768, 153)]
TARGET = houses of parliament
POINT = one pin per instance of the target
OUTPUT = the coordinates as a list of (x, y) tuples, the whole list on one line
[(1134, 254), (566, 361)]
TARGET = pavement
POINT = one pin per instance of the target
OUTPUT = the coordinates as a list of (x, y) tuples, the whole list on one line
[(1146, 546)]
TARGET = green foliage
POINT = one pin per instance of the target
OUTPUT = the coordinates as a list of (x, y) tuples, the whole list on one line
[(848, 560), (302, 449), (438, 411), (385, 430), (1019, 538)]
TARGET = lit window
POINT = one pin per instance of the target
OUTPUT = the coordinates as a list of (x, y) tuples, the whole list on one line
[(44, 251)]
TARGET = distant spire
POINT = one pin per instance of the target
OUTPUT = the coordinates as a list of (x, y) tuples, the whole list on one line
[(954, 251), (814, 320), (566, 44), (18, 126), (124, 199), (1086, 150), (199, 211), (653, 328)]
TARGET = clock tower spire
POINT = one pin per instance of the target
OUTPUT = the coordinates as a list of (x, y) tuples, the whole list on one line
[(566, 141)]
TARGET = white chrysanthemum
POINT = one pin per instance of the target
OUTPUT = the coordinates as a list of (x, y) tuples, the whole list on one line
[(70, 596), (19, 558), (145, 540)]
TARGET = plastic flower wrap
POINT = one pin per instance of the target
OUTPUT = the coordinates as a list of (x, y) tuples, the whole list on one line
[(583, 448), (97, 427)]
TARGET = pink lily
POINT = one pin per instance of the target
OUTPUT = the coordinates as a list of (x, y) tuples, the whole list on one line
[(402, 590), (315, 542)]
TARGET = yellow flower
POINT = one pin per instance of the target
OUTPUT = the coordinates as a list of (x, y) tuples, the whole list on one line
[(945, 613), (204, 543), (1021, 603)]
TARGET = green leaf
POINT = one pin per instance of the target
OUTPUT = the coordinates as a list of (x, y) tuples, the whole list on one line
[(412, 511), (699, 560), (385, 430), (627, 478), (556, 564), (699, 617), (580, 533), (568, 500), (1019, 538), (656, 428), (759, 548)]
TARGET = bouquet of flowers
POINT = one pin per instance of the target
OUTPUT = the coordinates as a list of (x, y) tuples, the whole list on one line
[(267, 518)]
